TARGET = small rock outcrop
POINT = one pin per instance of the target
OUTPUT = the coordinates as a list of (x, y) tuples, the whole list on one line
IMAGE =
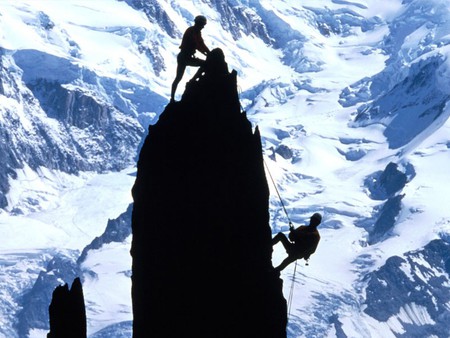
[(67, 312), (201, 243)]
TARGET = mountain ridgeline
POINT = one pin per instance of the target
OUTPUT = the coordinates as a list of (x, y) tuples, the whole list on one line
[(201, 243), (51, 119)]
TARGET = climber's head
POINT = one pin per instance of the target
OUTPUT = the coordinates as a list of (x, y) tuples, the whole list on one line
[(315, 219), (200, 21)]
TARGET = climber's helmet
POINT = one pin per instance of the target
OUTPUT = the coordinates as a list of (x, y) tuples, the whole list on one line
[(316, 219), (200, 20)]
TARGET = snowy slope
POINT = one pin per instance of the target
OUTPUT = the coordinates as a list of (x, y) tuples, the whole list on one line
[(339, 89)]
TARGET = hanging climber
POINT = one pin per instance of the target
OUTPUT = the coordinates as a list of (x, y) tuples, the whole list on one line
[(192, 41), (304, 241)]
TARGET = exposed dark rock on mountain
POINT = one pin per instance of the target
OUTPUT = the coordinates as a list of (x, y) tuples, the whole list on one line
[(117, 230), (155, 14), (61, 116), (386, 217), (201, 238), (413, 108), (239, 20), (67, 312), (414, 292), (385, 184), (152, 47)]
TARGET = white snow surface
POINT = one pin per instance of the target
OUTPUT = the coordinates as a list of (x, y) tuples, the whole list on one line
[(66, 211)]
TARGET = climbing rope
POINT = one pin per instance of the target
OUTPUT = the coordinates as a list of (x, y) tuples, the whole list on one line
[(291, 291), (278, 193)]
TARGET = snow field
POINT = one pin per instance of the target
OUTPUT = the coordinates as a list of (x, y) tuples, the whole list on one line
[(107, 285)]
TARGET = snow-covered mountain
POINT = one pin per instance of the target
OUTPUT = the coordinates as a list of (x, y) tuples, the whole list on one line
[(351, 101)]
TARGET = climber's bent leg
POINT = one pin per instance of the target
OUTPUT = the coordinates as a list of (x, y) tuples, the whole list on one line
[(280, 237), (288, 260)]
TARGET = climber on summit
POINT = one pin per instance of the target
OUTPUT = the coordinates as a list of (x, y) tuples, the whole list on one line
[(192, 41), (304, 241)]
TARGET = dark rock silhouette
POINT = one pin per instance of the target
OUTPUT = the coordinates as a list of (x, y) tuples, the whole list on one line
[(201, 238), (67, 312), (34, 304)]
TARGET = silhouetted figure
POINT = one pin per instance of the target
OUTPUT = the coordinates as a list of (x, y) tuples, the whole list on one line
[(304, 241), (192, 41)]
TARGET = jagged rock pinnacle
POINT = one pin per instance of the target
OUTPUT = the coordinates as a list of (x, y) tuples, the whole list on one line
[(201, 237)]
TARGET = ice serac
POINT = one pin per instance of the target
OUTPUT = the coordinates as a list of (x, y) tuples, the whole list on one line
[(201, 238)]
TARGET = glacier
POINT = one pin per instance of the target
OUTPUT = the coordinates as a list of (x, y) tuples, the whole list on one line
[(350, 98)]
